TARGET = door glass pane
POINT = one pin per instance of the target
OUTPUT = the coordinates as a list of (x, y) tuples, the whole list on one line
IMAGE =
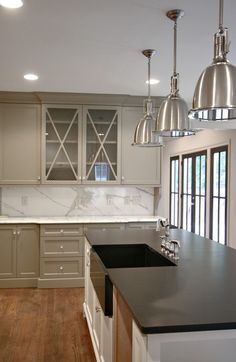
[(189, 213), (185, 178), (101, 145), (203, 175), (174, 192), (197, 213), (222, 224), (219, 195), (197, 175), (215, 219), (223, 174), (62, 144), (189, 175), (202, 216), (215, 174)]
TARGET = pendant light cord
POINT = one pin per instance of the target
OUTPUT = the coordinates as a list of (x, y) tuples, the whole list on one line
[(221, 6), (175, 48), (149, 72)]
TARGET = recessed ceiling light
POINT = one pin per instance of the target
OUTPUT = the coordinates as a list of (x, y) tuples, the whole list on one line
[(153, 81), (12, 4), (31, 76)]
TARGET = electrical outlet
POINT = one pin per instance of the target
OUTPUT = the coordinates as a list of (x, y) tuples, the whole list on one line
[(24, 200)]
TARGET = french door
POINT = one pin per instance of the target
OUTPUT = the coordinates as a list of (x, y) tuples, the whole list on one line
[(193, 205)]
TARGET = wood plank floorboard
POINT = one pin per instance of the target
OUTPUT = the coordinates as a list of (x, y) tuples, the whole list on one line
[(44, 325)]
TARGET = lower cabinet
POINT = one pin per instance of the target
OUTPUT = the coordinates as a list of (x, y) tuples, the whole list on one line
[(61, 256), (19, 255), (100, 326), (139, 345)]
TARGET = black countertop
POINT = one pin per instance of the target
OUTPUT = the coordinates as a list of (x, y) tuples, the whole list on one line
[(197, 294)]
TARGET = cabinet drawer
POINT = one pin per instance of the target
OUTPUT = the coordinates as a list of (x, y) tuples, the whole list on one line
[(64, 246), (101, 226), (61, 267), (61, 229)]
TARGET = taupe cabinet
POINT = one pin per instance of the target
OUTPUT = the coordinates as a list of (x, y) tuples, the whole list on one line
[(19, 251), (80, 144), (61, 144), (93, 145), (19, 144), (140, 165), (61, 255), (101, 144)]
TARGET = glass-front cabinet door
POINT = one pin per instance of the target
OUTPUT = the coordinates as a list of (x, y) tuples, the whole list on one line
[(101, 146), (62, 148)]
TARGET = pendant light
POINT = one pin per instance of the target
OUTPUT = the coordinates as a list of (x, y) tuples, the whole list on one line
[(144, 135), (172, 119), (215, 93)]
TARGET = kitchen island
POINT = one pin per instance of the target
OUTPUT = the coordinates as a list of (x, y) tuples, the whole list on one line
[(185, 312)]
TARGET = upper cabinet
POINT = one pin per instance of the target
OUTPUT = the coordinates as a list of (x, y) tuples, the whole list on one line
[(80, 144), (62, 144), (101, 145), (19, 144), (140, 165), (80, 149)]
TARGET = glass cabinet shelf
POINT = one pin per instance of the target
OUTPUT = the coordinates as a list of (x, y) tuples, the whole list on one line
[(62, 144), (101, 144)]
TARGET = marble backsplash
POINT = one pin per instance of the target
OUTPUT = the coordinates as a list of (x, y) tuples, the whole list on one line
[(76, 201)]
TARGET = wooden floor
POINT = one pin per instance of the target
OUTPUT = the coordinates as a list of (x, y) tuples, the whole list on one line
[(43, 325)]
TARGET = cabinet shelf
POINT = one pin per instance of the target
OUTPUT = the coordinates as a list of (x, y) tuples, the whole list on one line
[(57, 141), (99, 163), (104, 122), (61, 164), (58, 122), (106, 142)]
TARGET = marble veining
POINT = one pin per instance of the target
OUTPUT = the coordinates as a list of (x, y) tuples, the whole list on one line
[(70, 201)]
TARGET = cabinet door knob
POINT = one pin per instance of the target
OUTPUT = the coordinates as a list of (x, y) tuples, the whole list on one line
[(88, 263), (123, 178), (61, 247), (61, 268), (38, 178), (14, 232), (61, 231), (18, 232), (98, 309)]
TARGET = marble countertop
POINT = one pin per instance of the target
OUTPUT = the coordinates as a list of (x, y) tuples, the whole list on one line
[(76, 219)]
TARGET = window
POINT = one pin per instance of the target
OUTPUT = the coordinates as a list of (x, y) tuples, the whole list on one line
[(174, 191), (191, 206), (194, 192), (218, 202)]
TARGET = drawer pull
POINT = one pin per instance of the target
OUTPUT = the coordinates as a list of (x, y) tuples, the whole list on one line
[(61, 247), (61, 231), (61, 268), (98, 309)]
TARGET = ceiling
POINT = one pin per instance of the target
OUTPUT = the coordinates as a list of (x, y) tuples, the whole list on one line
[(94, 46)]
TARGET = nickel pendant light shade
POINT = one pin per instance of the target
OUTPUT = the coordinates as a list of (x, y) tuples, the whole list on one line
[(144, 135), (172, 119), (215, 93)]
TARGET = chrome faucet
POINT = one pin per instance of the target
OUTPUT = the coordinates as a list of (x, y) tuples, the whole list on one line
[(163, 224), (174, 248)]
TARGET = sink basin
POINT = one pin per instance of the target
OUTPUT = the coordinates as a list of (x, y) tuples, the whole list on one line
[(130, 256)]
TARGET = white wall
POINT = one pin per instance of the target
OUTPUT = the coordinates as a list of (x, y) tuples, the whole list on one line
[(202, 140)]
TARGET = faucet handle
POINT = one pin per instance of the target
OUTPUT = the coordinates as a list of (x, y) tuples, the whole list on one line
[(176, 245)]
